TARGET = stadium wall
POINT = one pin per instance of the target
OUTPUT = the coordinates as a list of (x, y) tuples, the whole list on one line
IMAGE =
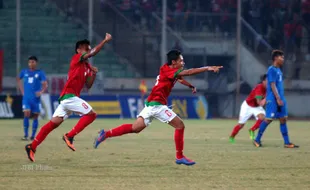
[(110, 106)]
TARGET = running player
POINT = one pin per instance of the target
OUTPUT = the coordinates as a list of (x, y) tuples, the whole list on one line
[(275, 101), (156, 104), (252, 106), (80, 73), (34, 86)]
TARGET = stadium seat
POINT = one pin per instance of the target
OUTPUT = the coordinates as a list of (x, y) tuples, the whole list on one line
[(48, 34)]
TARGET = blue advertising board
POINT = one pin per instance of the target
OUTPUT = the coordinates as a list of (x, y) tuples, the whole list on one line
[(129, 106)]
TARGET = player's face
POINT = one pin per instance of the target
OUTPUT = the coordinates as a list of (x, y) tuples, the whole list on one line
[(280, 60), (84, 49), (179, 63), (265, 83), (32, 64)]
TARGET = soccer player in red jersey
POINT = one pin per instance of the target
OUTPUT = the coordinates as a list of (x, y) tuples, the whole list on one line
[(156, 104), (253, 105), (80, 73)]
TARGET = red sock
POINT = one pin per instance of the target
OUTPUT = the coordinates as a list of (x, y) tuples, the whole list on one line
[(235, 130), (83, 122), (256, 125), (44, 131), (118, 131), (179, 142)]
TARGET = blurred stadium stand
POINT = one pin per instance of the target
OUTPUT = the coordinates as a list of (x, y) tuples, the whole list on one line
[(50, 34), (205, 31)]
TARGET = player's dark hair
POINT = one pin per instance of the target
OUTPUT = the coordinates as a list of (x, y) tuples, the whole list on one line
[(33, 58), (276, 53), (173, 55), (80, 43), (263, 77)]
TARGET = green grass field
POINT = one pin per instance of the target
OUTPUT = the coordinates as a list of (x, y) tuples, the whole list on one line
[(146, 161)]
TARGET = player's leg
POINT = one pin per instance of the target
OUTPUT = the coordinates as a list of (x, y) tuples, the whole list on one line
[(259, 114), (143, 120), (283, 127), (244, 116), (35, 124), (271, 111), (27, 113), (58, 117), (78, 105), (35, 109), (166, 115)]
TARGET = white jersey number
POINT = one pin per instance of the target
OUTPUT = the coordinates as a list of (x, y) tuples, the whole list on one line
[(30, 80)]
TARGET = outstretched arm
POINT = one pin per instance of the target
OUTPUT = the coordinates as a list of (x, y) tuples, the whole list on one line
[(186, 83), (196, 71), (96, 49)]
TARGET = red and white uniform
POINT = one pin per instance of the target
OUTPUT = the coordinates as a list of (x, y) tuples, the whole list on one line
[(250, 107), (69, 98), (156, 104)]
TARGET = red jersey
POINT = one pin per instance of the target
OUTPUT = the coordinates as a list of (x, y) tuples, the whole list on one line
[(164, 84), (258, 92), (78, 72)]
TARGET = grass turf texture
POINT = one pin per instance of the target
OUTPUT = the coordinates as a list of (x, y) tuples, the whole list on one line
[(146, 161)]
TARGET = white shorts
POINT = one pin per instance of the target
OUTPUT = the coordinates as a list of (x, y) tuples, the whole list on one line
[(160, 112), (247, 111), (72, 105)]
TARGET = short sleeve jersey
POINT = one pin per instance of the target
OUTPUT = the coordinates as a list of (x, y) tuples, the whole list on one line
[(32, 82), (164, 83), (259, 92), (78, 72)]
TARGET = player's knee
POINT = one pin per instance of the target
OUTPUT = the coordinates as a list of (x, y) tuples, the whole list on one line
[(268, 121), (57, 121), (180, 125), (93, 114), (35, 116), (26, 114), (283, 120), (261, 116), (241, 125), (138, 126)]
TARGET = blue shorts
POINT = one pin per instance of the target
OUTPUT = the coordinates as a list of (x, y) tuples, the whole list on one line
[(32, 105), (273, 111)]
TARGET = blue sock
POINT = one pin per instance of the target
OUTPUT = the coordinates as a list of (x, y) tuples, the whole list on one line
[(35, 124), (261, 131), (26, 126), (284, 132)]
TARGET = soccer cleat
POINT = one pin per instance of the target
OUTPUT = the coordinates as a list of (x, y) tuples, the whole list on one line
[(232, 140), (30, 152), (25, 138), (69, 141), (100, 138), (257, 144), (32, 138), (252, 134), (185, 161), (291, 145)]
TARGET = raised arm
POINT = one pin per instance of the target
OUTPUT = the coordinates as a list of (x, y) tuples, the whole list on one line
[(96, 49), (196, 71)]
